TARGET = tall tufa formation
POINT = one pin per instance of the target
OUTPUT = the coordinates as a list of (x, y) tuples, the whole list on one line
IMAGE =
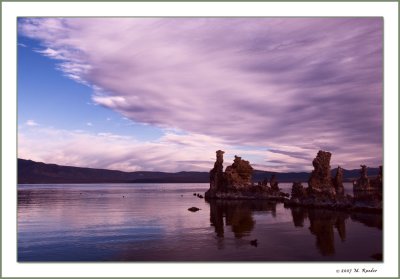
[(363, 183), (324, 191), (217, 174), (274, 184), (298, 191), (368, 192), (338, 182), (320, 182), (377, 183)]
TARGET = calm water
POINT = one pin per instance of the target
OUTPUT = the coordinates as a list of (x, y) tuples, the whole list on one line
[(150, 222)]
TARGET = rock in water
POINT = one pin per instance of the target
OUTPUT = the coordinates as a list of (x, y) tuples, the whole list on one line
[(377, 183), (193, 209), (320, 182), (325, 192), (338, 182), (236, 182), (322, 189), (368, 193), (254, 242), (274, 184), (298, 191), (263, 183), (363, 183)]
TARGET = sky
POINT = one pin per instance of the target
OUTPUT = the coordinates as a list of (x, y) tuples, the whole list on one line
[(163, 94)]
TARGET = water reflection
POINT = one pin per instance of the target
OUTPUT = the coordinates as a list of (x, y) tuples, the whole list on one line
[(323, 224), (152, 223), (370, 220), (237, 214)]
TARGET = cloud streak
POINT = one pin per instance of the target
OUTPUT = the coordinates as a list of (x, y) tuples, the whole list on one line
[(172, 153), (31, 123), (279, 83)]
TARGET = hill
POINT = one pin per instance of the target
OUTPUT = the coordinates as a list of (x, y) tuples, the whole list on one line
[(31, 172)]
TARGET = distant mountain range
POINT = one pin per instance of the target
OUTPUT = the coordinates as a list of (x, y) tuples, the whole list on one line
[(31, 172)]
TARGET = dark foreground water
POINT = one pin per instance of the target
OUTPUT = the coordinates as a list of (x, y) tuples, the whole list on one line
[(151, 222)]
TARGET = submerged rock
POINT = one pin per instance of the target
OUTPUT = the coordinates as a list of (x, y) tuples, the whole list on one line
[(193, 209), (254, 242)]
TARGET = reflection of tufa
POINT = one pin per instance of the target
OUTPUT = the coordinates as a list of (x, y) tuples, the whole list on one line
[(237, 214)]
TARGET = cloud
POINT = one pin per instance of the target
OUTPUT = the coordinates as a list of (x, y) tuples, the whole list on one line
[(309, 83), (51, 53), (172, 153), (31, 123), (89, 124), (22, 45)]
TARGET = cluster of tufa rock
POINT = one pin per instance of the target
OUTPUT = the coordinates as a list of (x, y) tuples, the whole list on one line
[(239, 174), (236, 181), (236, 176), (365, 184), (322, 191), (325, 191), (322, 188), (368, 192), (320, 182)]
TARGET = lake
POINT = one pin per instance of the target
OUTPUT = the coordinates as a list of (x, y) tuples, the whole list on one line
[(151, 222)]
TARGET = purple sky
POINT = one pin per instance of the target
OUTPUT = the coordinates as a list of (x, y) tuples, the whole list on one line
[(272, 90)]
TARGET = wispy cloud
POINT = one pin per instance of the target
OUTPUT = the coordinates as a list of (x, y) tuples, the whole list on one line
[(89, 124), (309, 83), (174, 152), (107, 150), (49, 52), (31, 123), (22, 45)]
